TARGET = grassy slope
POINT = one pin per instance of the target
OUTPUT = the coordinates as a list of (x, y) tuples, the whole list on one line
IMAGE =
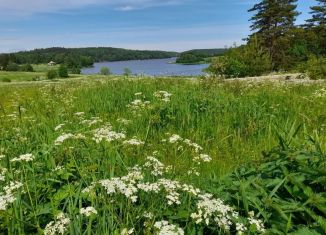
[(234, 122)]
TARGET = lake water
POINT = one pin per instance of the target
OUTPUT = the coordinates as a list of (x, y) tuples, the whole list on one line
[(155, 67)]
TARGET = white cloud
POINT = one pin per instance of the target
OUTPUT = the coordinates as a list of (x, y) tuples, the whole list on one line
[(27, 7)]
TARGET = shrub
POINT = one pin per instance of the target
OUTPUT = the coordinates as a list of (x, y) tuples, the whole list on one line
[(105, 71), (12, 67), (316, 68), (63, 71), (75, 70), (51, 74), (26, 68), (248, 60)]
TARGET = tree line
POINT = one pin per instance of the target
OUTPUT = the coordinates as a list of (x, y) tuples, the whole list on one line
[(76, 58), (277, 43)]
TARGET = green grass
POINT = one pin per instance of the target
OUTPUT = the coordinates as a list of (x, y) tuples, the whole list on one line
[(43, 67), (21, 76), (234, 122)]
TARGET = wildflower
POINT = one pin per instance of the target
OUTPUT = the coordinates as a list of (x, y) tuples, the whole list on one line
[(79, 114), (133, 141), (62, 138), (164, 228), (138, 94), (174, 138), (163, 95), (240, 228), (125, 231), (106, 134), (7, 197), (123, 121), (205, 158), (59, 127), (3, 172), (57, 227), (2, 157), (25, 157), (88, 211)]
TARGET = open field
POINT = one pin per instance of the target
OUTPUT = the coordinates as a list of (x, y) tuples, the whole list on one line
[(121, 156)]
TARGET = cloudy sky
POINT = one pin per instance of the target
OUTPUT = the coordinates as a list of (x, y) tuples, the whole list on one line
[(174, 25)]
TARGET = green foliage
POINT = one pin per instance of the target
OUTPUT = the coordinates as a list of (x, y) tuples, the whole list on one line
[(5, 79), (12, 67), (198, 56), (105, 71), (63, 71), (249, 60), (288, 189), (316, 68), (52, 74), (26, 68), (75, 70)]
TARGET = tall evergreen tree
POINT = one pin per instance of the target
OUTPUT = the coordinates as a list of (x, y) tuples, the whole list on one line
[(272, 20), (318, 15)]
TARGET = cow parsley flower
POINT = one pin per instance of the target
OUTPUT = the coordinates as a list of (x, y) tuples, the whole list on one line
[(88, 211), (24, 157), (63, 138), (164, 228), (57, 227)]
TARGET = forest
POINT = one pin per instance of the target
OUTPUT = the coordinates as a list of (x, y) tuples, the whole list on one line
[(76, 58)]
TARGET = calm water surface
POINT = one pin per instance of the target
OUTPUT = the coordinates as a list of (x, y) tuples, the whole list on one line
[(156, 67)]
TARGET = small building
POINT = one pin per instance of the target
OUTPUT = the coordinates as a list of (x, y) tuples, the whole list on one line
[(51, 63)]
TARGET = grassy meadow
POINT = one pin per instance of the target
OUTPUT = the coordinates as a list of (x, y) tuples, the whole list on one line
[(150, 156)]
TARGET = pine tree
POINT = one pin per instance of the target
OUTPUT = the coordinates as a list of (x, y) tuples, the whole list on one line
[(273, 19), (318, 15)]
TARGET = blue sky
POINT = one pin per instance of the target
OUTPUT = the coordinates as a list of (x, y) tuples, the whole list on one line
[(174, 25)]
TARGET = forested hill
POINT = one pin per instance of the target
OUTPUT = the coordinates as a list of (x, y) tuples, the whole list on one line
[(199, 55), (82, 57)]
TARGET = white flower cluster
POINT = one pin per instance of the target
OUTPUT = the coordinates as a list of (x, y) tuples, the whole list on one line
[(92, 121), (156, 167), (107, 134), (134, 142), (88, 211), (256, 222), (2, 157), (62, 138), (138, 104), (163, 95), (57, 227), (126, 231), (125, 185), (3, 172), (58, 127), (123, 121), (7, 197), (320, 93), (23, 158), (78, 114), (164, 228)]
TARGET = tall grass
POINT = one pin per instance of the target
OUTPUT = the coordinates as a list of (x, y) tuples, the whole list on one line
[(233, 122)]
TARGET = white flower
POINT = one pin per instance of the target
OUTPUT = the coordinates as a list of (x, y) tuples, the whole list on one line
[(133, 141), (125, 231), (2, 157), (57, 227), (88, 211), (59, 127), (106, 134), (175, 138), (7, 197), (25, 157), (79, 114), (62, 138), (164, 228)]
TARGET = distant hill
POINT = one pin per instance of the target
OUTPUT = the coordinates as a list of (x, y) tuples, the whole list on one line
[(198, 56), (80, 57)]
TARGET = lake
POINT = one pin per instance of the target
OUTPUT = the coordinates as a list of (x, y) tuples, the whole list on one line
[(154, 67)]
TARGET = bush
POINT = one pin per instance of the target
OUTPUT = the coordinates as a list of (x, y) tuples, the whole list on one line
[(248, 60), (12, 67), (51, 74), (75, 70), (105, 71), (26, 68), (316, 68), (63, 71)]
